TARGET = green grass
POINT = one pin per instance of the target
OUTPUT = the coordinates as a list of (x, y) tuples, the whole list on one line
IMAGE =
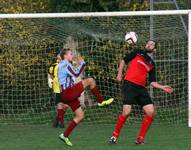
[(93, 137)]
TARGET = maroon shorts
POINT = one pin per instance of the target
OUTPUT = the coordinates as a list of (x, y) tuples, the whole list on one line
[(71, 95)]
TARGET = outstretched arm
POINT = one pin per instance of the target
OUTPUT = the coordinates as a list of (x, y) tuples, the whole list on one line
[(120, 70), (165, 88)]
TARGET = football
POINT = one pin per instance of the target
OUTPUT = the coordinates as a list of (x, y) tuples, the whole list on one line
[(131, 37)]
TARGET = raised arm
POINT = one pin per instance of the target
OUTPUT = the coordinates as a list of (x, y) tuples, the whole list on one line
[(155, 84), (165, 88)]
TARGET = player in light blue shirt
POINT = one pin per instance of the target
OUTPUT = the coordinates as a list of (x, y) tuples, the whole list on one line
[(71, 92), (66, 73)]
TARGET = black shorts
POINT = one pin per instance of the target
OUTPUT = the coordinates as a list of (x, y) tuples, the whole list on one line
[(135, 94), (58, 98)]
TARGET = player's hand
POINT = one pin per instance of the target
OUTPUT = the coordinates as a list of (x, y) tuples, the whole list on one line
[(119, 78), (167, 89), (80, 59)]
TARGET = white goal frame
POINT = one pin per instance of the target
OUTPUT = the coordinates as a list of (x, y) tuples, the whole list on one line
[(189, 69), (122, 13)]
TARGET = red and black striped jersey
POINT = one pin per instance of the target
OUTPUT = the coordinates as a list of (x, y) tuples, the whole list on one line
[(140, 66)]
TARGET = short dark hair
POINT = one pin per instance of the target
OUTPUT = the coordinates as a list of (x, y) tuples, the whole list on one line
[(63, 51)]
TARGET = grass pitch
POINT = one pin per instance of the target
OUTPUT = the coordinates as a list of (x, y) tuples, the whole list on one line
[(93, 137)]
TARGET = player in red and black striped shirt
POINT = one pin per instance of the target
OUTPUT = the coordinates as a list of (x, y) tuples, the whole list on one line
[(140, 65)]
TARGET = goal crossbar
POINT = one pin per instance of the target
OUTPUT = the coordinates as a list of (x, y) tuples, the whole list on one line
[(95, 14)]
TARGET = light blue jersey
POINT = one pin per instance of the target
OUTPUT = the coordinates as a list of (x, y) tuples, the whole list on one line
[(66, 73)]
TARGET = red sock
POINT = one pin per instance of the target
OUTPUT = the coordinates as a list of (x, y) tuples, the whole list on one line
[(60, 115), (70, 127), (96, 92), (120, 122), (146, 123)]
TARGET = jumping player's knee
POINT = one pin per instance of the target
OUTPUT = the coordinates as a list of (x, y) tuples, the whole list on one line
[(59, 106), (149, 110), (89, 82), (150, 113), (64, 106), (125, 113), (126, 110)]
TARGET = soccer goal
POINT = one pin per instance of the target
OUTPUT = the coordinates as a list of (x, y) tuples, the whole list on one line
[(29, 44)]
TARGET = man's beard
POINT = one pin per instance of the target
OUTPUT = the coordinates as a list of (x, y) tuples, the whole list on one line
[(149, 51)]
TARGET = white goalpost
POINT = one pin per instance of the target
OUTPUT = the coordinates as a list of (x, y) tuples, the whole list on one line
[(30, 42), (189, 68)]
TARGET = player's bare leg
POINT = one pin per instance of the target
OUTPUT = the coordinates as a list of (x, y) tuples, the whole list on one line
[(92, 84), (146, 123), (77, 119), (120, 122)]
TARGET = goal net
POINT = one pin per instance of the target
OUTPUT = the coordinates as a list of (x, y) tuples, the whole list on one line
[(30, 44)]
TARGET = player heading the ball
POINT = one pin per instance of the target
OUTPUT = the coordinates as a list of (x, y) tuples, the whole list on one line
[(140, 64)]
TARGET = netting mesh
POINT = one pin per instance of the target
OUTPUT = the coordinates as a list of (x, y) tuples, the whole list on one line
[(28, 46)]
